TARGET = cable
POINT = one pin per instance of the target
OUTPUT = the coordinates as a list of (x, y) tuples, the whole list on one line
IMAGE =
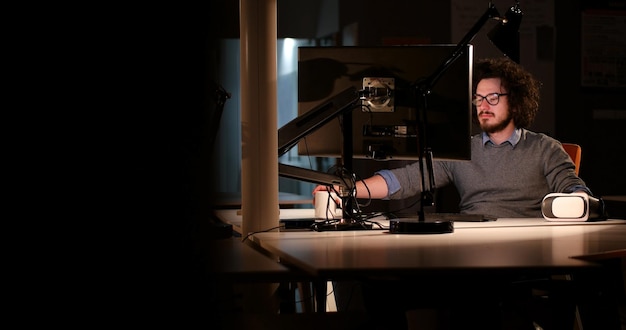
[(355, 213), (369, 193), (261, 231)]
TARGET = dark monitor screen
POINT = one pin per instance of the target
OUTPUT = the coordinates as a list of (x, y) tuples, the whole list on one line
[(386, 127)]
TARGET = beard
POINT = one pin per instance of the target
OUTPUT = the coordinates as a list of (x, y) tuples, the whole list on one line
[(496, 127)]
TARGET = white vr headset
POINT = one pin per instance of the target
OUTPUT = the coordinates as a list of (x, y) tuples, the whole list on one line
[(572, 207)]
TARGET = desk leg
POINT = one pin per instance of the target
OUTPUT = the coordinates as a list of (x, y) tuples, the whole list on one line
[(320, 295)]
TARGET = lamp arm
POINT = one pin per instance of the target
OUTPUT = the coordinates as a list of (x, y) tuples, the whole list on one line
[(426, 85), (307, 123), (424, 88), (317, 177)]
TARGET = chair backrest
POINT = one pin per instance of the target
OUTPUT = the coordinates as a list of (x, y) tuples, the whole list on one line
[(575, 153)]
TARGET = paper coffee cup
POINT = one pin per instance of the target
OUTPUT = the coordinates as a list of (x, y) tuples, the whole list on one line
[(325, 207)]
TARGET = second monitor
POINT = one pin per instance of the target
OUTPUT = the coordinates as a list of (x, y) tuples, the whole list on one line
[(386, 127)]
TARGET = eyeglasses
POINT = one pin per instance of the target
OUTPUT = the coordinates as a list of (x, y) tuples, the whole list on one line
[(492, 99)]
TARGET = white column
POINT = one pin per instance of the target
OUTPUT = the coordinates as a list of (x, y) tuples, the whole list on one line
[(259, 127)]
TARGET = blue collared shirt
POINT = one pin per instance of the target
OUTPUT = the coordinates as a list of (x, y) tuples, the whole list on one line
[(513, 139)]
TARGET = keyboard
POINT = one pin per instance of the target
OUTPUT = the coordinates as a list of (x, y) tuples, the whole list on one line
[(456, 217)]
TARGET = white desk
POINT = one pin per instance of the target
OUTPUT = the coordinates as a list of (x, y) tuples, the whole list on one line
[(515, 246), (506, 244), (230, 259)]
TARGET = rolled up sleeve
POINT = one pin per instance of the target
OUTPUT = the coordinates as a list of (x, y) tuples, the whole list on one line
[(393, 185)]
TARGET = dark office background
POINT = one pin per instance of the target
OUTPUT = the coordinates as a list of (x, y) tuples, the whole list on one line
[(552, 49), (178, 65)]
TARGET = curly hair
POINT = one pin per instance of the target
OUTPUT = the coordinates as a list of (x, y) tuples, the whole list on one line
[(522, 87)]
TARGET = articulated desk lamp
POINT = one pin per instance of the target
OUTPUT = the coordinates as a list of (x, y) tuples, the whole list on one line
[(504, 35)]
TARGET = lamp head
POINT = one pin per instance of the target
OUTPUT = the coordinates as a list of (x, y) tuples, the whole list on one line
[(505, 35)]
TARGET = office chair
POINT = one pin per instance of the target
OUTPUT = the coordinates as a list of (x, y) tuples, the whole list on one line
[(575, 153)]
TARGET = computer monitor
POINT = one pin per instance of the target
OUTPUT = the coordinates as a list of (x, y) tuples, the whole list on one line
[(385, 128)]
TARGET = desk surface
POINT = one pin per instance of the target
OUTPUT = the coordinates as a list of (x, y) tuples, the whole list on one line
[(234, 260), (506, 244), (233, 217)]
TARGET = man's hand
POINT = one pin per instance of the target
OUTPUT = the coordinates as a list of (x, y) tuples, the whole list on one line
[(329, 189)]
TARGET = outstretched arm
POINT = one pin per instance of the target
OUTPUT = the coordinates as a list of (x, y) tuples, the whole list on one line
[(376, 185)]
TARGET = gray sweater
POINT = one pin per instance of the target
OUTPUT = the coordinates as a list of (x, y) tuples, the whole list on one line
[(504, 181)]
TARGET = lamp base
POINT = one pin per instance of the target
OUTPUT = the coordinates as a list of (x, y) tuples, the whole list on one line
[(415, 226)]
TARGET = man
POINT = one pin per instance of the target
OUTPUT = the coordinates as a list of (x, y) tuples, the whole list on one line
[(512, 168)]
